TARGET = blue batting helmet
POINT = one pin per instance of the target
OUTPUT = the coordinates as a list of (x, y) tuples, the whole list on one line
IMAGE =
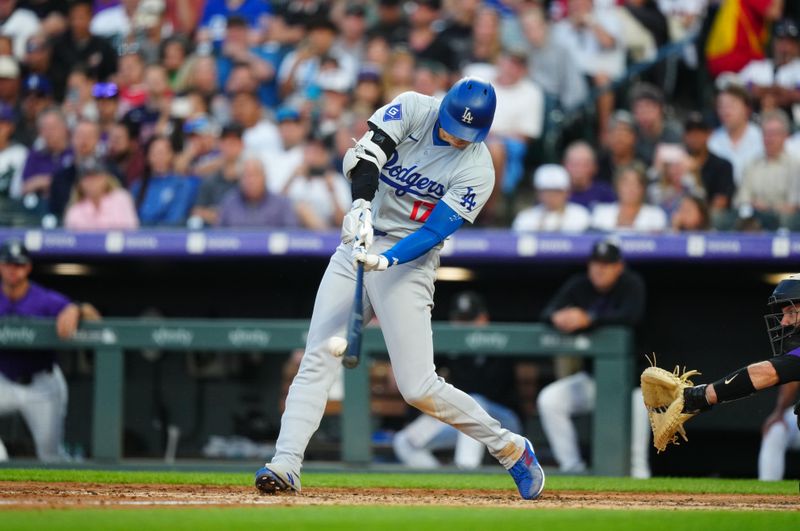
[(467, 109)]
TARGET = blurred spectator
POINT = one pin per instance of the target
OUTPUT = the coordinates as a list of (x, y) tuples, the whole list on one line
[(130, 81), (162, 196), (350, 45), (174, 57), (152, 115), (398, 75), (377, 53), (593, 35), (79, 47), (738, 140), (715, 173), (251, 205), (200, 148), (38, 56), (281, 165), (490, 380), (300, 68), (334, 103), (19, 24), (114, 23), (674, 180), (629, 213), (621, 150), (771, 182), (562, 80), (644, 27), (124, 154), (321, 194), (37, 95), (147, 29), (607, 294), (460, 18), (228, 168), (78, 101), (581, 164), (31, 383), (85, 142), (691, 215), (53, 155), (391, 22), (260, 134), (486, 45), (9, 80), (424, 39), (368, 92), (106, 98), (98, 202), (775, 82), (430, 78), (554, 213), (236, 50), (518, 120), (12, 158), (653, 128), (738, 33), (216, 13)]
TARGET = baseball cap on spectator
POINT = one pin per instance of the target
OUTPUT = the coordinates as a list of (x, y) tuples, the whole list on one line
[(356, 10), (334, 81), (647, 91), (102, 91), (287, 114), (606, 251), (9, 69), (37, 84), (201, 125), (623, 117), (320, 22), (697, 121), (236, 21), (232, 129), (551, 177), (148, 14), (91, 166), (467, 306), (13, 251), (369, 73), (7, 113), (786, 29)]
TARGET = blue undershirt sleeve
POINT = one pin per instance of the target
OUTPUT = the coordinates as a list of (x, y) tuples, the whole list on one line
[(442, 222)]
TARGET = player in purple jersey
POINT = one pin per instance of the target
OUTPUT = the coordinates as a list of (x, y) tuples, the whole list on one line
[(783, 327), (30, 381)]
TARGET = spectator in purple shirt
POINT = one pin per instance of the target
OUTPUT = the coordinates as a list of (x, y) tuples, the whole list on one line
[(580, 162), (252, 206), (30, 381), (56, 153)]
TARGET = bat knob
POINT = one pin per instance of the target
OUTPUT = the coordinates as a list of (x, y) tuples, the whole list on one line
[(351, 362)]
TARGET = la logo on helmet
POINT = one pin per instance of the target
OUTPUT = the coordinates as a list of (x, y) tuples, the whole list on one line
[(467, 116)]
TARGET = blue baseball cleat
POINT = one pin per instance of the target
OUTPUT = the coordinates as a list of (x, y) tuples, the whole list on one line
[(528, 474), (274, 477)]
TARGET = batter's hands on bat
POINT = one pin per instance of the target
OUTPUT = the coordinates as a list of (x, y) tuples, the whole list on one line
[(372, 262), (357, 224)]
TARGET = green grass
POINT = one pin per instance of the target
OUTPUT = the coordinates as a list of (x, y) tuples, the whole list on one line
[(390, 518), (408, 480)]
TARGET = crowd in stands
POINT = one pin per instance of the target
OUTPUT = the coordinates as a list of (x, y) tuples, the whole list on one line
[(236, 113)]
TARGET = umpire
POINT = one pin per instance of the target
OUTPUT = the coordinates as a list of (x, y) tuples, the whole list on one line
[(607, 294), (31, 382)]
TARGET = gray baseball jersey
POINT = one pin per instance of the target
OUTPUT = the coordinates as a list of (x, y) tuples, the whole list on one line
[(424, 170)]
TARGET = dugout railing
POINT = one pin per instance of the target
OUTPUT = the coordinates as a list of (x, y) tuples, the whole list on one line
[(609, 348)]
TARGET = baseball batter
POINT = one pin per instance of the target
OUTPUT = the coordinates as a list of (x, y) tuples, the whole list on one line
[(418, 173)]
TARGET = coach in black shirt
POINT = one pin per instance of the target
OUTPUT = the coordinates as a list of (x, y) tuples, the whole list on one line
[(607, 294)]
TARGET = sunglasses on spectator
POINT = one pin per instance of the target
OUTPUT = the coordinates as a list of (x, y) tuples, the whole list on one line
[(105, 90)]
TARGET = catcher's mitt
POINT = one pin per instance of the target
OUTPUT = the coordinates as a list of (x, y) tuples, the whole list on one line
[(663, 396)]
